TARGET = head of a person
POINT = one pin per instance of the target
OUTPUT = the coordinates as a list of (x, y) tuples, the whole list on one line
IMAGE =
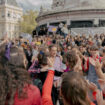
[(65, 25), (93, 51), (17, 58), (53, 50), (69, 48), (81, 49), (71, 59), (43, 59), (13, 76), (74, 89), (29, 48), (59, 49)]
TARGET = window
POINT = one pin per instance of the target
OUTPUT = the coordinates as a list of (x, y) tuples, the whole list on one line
[(81, 24), (9, 15), (102, 23)]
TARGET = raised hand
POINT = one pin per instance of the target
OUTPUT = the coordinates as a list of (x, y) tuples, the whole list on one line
[(102, 84), (99, 98), (98, 65), (92, 86), (50, 62)]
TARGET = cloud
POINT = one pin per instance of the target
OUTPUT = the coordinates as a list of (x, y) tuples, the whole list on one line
[(36, 4), (40, 2)]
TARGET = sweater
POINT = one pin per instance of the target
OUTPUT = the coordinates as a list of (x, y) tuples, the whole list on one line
[(33, 94)]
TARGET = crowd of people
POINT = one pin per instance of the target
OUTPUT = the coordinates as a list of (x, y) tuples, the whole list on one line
[(53, 70)]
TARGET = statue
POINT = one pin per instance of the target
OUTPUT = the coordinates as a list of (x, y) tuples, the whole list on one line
[(58, 3)]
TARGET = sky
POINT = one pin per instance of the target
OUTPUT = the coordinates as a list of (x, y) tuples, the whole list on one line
[(40, 2), (34, 4)]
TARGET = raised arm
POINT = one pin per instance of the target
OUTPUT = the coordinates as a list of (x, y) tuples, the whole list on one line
[(99, 72), (47, 88)]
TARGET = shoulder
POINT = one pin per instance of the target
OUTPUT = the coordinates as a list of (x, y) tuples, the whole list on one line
[(34, 89), (35, 95)]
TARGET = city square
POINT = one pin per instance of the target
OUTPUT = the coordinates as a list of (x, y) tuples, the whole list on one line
[(52, 52)]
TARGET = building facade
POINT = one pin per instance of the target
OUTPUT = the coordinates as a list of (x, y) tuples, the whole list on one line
[(75, 13), (10, 15)]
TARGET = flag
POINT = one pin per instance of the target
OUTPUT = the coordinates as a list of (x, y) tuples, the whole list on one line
[(27, 36), (52, 29)]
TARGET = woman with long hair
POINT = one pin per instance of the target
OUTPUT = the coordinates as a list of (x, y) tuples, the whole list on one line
[(16, 87)]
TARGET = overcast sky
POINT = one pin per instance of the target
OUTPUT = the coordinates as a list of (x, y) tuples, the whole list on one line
[(40, 2), (35, 3)]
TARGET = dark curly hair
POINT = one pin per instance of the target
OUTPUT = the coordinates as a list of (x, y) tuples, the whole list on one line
[(13, 77)]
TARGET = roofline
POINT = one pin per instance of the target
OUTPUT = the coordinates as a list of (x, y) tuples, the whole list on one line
[(12, 7), (69, 11)]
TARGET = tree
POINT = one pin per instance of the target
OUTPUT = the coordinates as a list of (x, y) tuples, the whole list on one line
[(28, 23)]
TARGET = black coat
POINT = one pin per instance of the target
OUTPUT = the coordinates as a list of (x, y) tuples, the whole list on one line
[(29, 58)]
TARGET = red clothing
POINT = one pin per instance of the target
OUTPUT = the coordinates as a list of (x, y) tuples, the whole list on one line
[(34, 97), (92, 103), (47, 88), (86, 69)]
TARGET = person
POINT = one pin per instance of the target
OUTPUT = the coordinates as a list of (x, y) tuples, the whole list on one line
[(92, 75), (100, 93), (28, 53), (73, 92), (73, 62), (65, 30), (98, 68), (57, 59), (16, 88), (59, 29)]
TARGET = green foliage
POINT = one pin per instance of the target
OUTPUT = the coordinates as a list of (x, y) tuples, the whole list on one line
[(28, 23)]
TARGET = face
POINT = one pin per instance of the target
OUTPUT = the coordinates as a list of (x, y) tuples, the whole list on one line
[(93, 53), (25, 61), (53, 51), (81, 49), (69, 48)]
